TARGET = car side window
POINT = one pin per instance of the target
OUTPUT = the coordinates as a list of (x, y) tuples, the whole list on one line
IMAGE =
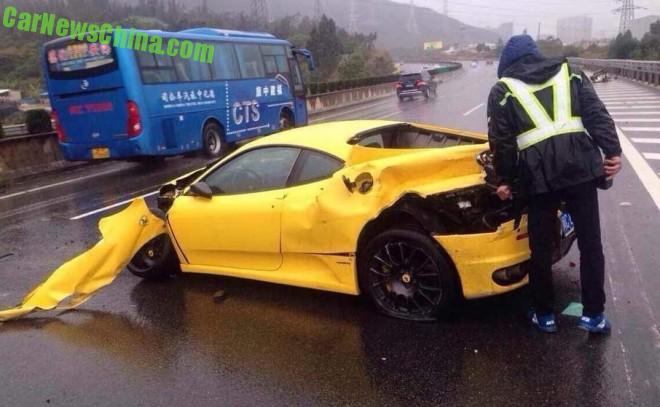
[(257, 170), (315, 166)]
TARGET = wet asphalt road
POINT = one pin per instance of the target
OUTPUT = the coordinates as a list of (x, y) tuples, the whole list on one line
[(169, 343)]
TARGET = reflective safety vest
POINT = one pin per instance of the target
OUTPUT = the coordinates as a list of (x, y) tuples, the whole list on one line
[(544, 126)]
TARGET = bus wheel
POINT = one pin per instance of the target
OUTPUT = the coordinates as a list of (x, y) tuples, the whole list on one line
[(286, 120), (214, 141)]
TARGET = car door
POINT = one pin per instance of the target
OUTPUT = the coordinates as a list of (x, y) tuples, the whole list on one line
[(304, 219), (240, 226)]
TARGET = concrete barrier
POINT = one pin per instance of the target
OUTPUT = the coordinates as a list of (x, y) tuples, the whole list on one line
[(334, 100), (28, 154)]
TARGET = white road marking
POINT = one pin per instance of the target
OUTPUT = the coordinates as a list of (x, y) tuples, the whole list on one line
[(387, 115), (641, 102), (642, 129), (57, 184), (474, 109), (630, 98), (652, 156), (650, 181), (646, 140), (106, 208), (626, 93), (654, 113), (627, 120), (614, 108)]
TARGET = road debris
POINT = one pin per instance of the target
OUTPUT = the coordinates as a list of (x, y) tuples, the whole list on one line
[(77, 280)]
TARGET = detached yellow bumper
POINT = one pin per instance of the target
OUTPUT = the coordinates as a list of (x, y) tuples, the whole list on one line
[(74, 282), (478, 256)]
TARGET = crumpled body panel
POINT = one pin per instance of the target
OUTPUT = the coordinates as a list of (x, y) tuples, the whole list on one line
[(74, 282)]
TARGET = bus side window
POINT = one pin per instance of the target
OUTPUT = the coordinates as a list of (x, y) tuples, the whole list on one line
[(249, 60), (225, 65), (275, 59), (155, 68), (182, 67)]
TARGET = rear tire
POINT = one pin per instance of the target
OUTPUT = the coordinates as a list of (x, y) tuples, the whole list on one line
[(213, 138), (407, 276), (155, 260)]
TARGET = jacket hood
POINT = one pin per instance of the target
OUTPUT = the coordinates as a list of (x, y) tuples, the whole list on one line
[(517, 47), (534, 69)]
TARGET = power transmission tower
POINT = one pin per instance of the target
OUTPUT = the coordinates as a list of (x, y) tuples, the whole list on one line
[(260, 12), (627, 14), (352, 17), (318, 10), (446, 7), (412, 19)]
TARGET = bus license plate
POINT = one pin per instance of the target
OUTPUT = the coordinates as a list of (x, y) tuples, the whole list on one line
[(567, 226), (100, 153)]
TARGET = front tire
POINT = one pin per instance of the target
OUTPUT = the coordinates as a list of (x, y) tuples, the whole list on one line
[(287, 121), (213, 138), (155, 260), (406, 275)]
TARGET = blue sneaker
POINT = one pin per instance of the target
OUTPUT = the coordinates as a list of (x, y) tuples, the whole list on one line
[(545, 323), (595, 325)]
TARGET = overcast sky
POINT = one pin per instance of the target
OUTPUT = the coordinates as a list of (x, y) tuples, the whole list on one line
[(528, 13)]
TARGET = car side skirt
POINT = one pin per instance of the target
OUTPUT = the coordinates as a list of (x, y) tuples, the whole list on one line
[(327, 272)]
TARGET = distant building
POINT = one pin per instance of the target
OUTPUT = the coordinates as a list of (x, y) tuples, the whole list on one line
[(572, 30), (641, 26), (432, 45), (505, 31)]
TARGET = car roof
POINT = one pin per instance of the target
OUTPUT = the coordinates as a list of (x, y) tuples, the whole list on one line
[(332, 137)]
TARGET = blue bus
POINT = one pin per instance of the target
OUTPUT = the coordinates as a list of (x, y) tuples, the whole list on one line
[(118, 103)]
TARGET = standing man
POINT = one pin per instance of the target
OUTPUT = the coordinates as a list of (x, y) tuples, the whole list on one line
[(547, 128)]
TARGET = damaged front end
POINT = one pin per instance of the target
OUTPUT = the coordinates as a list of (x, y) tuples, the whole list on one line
[(485, 238)]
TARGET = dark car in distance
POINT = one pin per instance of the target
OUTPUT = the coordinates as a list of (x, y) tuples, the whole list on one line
[(416, 84)]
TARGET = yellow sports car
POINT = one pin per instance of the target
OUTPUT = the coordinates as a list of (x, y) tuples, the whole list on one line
[(403, 213)]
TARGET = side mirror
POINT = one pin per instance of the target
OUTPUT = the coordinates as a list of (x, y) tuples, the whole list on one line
[(202, 189)]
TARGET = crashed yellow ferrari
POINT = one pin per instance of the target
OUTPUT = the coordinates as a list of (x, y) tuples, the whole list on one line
[(403, 213)]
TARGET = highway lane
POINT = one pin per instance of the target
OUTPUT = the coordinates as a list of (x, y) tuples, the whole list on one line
[(140, 343)]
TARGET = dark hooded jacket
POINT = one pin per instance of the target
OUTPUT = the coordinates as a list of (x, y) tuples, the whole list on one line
[(559, 161)]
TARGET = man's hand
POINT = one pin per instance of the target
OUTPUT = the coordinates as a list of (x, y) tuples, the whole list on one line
[(504, 192), (612, 166)]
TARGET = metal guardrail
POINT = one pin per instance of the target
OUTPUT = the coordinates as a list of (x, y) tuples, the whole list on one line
[(645, 71)]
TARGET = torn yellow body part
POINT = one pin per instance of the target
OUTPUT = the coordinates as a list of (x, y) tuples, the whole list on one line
[(74, 282)]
